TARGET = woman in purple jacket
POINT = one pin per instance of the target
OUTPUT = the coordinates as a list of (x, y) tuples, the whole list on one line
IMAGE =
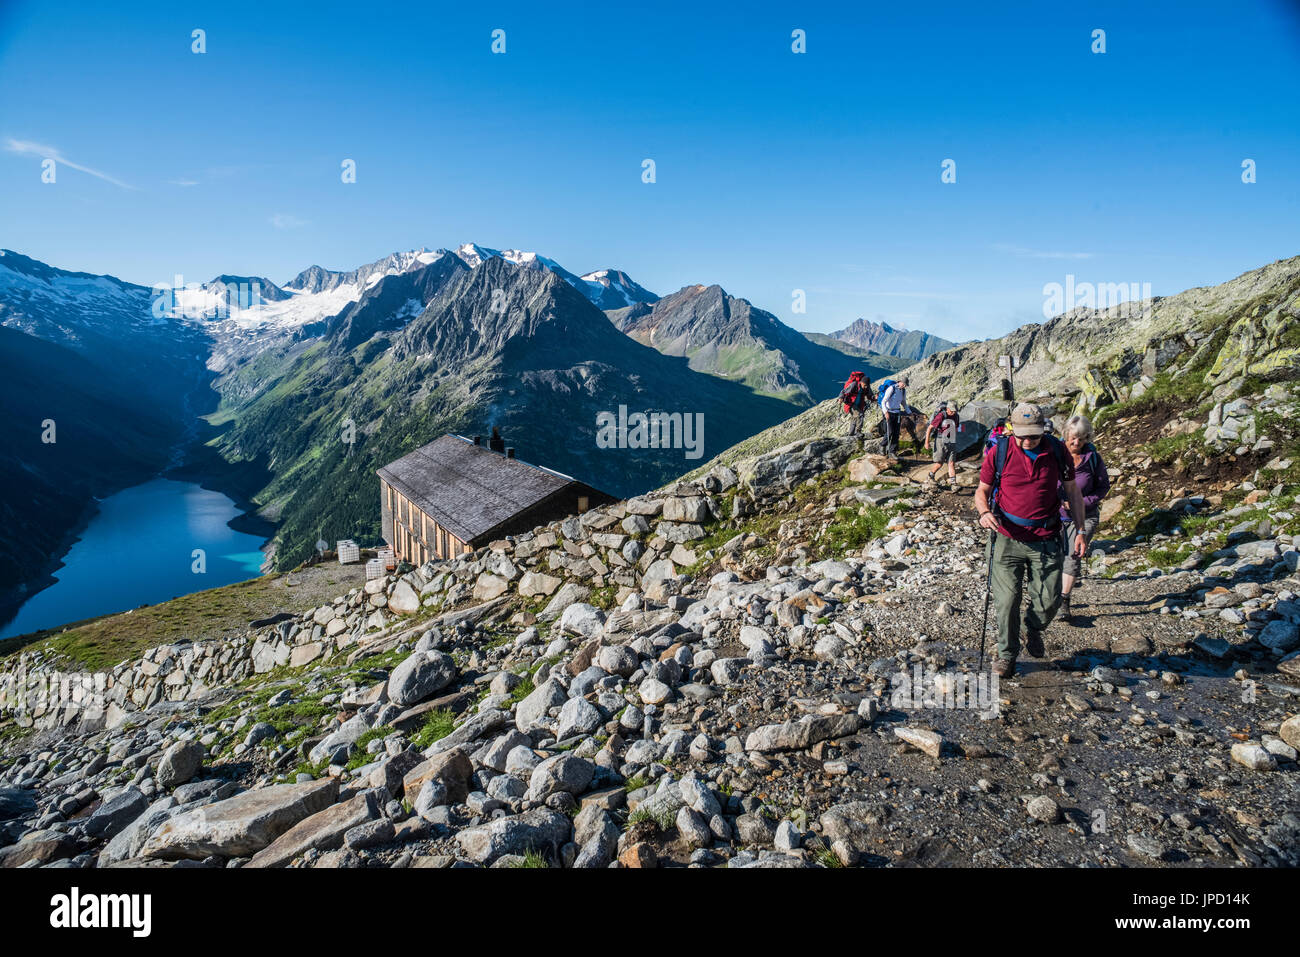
[(1094, 482)]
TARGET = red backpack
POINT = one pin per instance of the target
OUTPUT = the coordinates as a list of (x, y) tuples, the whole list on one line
[(854, 394)]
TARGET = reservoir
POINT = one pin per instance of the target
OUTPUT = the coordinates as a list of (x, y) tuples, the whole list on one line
[(147, 544)]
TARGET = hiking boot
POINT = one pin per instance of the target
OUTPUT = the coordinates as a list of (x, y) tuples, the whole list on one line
[(1004, 667), (1065, 614), (1034, 643)]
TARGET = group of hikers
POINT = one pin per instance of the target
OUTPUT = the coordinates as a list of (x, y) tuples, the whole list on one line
[(1038, 496), (858, 395)]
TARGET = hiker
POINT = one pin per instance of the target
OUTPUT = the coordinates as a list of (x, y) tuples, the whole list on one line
[(1093, 481), (999, 428), (944, 427), (854, 396), (894, 403), (1022, 474)]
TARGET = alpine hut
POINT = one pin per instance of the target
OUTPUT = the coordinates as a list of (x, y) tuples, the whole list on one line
[(457, 494)]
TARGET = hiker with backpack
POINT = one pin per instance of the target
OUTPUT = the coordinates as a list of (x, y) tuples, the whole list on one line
[(855, 395), (893, 401), (944, 427), (1018, 499), (1093, 481), (999, 429)]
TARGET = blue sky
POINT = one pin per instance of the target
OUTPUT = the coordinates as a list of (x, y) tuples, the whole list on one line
[(775, 171)]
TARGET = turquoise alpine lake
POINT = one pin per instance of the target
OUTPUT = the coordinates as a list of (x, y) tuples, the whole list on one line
[(145, 545)]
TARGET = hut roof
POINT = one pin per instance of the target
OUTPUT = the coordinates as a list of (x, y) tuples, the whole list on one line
[(468, 489)]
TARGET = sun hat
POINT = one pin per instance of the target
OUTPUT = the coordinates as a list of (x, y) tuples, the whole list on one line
[(1027, 419)]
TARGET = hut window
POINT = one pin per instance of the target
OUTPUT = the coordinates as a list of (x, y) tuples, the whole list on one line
[(582, 503)]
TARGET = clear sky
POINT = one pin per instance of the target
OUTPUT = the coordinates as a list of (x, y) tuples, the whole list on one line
[(775, 171)]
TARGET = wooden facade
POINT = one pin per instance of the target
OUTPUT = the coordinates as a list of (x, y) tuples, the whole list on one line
[(455, 495), (411, 533)]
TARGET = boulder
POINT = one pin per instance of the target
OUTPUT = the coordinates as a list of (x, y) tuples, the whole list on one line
[(922, 739), (346, 733), (782, 469), (1253, 756), (578, 716), (489, 586), (422, 675), (565, 597), (686, 509), (404, 600), (582, 619), (116, 813), (16, 803), (537, 583), (179, 763), (323, 831), (1280, 636), (40, 847), (453, 769), (867, 467), (242, 825), (540, 829), (801, 733), (1290, 731), (531, 712), (128, 841), (560, 773)]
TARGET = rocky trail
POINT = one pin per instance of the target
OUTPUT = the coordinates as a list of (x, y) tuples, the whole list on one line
[(771, 666)]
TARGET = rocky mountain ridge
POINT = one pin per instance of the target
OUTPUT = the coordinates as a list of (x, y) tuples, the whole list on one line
[(881, 337), (728, 337)]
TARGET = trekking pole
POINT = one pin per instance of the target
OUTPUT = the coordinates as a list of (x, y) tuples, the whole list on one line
[(988, 594)]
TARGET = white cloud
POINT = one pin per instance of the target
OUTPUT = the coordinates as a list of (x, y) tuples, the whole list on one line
[(184, 182), (287, 221), (28, 148)]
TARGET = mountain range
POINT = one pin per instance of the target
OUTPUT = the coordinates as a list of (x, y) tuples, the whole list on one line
[(728, 337), (254, 384), (912, 345)]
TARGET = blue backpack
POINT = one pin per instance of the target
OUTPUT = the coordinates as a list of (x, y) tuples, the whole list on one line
[(885, 387), (999, 463)]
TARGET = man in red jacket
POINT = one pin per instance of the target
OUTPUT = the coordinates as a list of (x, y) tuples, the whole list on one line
[(1027, 549)]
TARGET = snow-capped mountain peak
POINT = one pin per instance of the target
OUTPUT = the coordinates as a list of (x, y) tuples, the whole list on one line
[(614, 289), (606, 288), (474, 254)]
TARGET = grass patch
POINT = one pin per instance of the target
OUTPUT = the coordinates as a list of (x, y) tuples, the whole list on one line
[(533, 859), (852, 528), (826, 858), (362, 757), (522, 690), (316, 770), (436, 726), (1168, 556), (1164, 450), (664, 820)]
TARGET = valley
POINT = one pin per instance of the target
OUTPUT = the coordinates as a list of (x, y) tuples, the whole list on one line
[(287, 400)]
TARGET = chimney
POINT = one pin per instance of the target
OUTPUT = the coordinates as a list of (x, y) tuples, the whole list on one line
[(478, 440), (496, 443), (510, 452)]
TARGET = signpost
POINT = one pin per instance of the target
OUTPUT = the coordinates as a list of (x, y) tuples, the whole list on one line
[(1010, 364)]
